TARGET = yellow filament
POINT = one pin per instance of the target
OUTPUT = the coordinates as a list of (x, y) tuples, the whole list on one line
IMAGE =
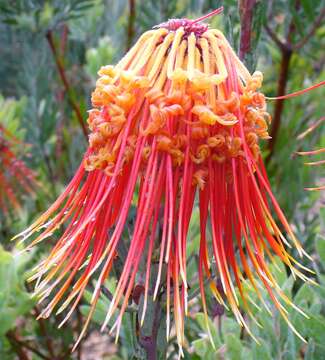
[(180, 54), (148, 50), (198, 63), (207, 70), (157, 58), (191, 56), (162, 78), (218, 56), (123, 63), (241, 68), (179, 75), (173, 51)]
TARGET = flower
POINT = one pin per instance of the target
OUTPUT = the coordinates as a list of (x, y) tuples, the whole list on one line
[(178, 118), (15, 176)]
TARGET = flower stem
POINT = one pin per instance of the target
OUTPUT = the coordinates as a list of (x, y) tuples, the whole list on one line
[(149, 343), (152, 334)]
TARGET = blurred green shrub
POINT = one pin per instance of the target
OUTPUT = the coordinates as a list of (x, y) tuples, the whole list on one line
[(98, 56), (89, 34), (15, 301)]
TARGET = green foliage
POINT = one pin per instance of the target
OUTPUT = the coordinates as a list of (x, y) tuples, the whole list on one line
[(39, 15), (15, 301), (96, 57), (34, 106), (127, 336), (275, 339)]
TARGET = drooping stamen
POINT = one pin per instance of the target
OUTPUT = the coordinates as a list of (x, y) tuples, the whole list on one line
[(296, 93), (311, 128), (317, 188), (311, 152), (212, 13)]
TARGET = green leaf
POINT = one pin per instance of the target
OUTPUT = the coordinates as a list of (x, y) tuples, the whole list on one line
[(291, 346), (14, 299), (261, 351), (309, 355), (199, 317), (201, 346), (234, 347), (308, 8), (320, 247), (304, 294)]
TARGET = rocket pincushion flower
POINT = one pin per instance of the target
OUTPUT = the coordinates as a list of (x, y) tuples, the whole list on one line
[(15, 176), (178, 117)]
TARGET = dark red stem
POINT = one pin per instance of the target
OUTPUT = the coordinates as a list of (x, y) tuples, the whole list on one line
[(281, 90), (131, 22), (61, 70), (19, 345), (286, 53), (42, 327), (149, 343), (287, 48), (246, 8)]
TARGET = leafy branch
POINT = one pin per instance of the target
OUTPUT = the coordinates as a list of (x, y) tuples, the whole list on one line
[(251, 14), (60, 66), (19, 345), (287, 49)]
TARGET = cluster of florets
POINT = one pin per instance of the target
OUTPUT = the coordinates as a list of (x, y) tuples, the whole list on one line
[(209, 127)]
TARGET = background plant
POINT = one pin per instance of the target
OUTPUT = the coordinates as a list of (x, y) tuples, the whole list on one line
[(50, 52)]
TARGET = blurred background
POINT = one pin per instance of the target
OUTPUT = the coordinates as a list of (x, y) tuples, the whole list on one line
[(50, 53)]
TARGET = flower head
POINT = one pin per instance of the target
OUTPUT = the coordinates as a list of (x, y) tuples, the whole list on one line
[(15, 176), (179, 118)]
